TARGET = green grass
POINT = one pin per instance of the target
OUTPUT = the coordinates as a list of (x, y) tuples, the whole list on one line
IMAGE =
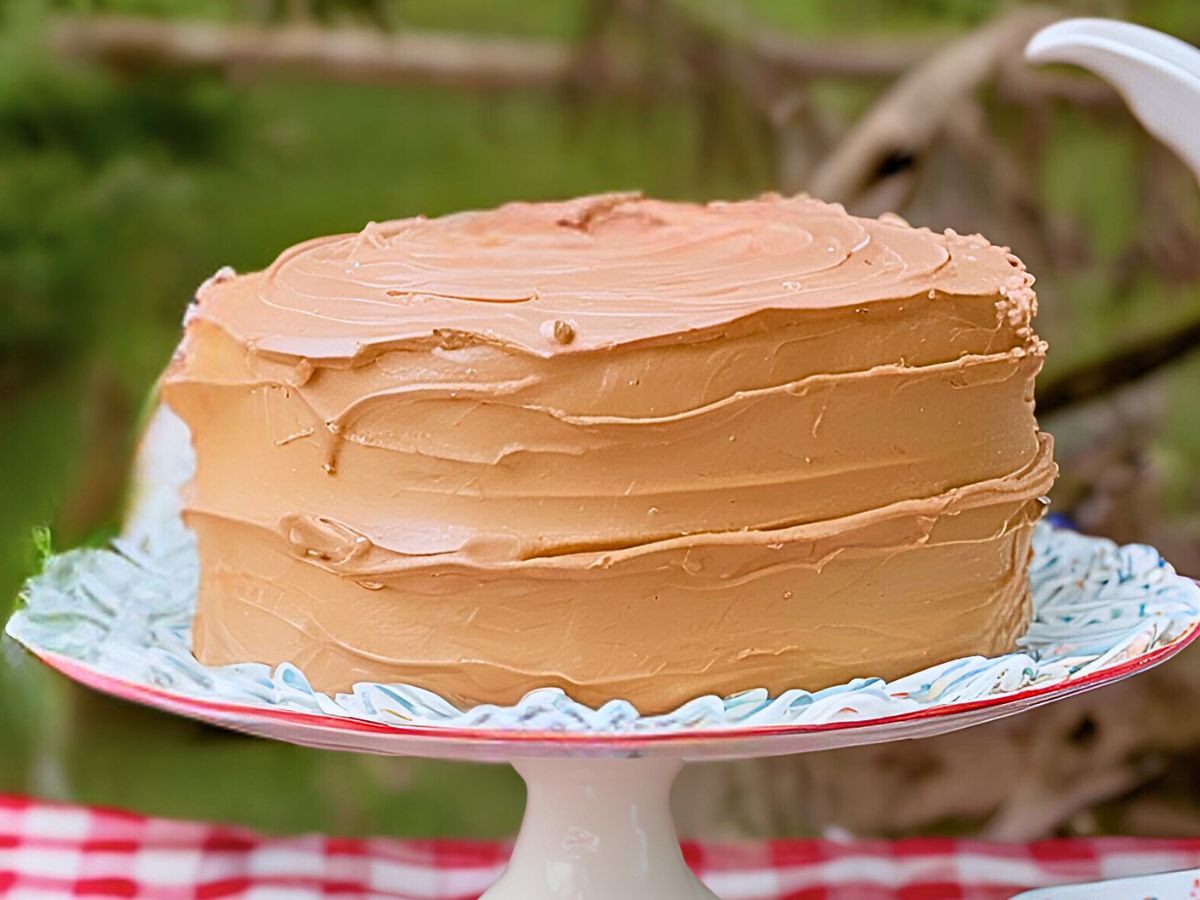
[(41, 431)]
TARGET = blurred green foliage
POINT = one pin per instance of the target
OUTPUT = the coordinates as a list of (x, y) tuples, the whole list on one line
[(120, 193)]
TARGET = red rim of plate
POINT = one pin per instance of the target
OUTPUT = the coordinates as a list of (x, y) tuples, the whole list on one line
[(209, 710)]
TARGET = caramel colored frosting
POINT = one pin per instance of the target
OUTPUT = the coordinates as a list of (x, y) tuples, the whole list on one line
[(591, 274), (622, 446)]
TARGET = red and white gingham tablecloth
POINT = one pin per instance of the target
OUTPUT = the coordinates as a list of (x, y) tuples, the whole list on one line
[(52, 850)]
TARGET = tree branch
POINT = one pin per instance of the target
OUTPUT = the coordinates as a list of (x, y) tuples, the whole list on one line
[(500, 63), (914, 110), (1093, 380), (846, 58), (359, 55)]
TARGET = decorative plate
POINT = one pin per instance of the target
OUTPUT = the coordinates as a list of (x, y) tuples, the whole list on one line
[(125, 612)]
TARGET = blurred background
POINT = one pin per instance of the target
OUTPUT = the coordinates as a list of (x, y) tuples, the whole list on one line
[(145, 143)]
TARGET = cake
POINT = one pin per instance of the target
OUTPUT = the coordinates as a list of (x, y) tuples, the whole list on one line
[(623, 447)]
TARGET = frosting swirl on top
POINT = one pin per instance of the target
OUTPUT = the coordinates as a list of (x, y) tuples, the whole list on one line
[(595, 272)]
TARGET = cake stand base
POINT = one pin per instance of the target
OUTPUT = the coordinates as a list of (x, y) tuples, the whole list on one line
[(598, 829)]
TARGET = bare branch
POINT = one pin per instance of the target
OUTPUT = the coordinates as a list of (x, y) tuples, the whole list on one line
[(1092, 380), (495, 63), (884, 58), (912, 112), (855, 58), (360, 55)]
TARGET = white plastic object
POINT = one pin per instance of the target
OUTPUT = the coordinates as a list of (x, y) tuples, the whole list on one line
[(1171, 886), (1158, 75)]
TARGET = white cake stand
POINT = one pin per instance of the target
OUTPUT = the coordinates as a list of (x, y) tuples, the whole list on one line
[(597, 822)]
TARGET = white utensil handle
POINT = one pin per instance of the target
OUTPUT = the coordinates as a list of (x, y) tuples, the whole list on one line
[(1158, 75)]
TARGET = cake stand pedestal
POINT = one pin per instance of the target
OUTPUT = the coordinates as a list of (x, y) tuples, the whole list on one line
[(598, 828), (597, 824)]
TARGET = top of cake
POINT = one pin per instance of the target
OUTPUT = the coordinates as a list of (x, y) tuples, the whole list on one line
[(594, 272)]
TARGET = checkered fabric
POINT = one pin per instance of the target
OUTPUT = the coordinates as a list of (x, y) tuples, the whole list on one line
[(51, 850)]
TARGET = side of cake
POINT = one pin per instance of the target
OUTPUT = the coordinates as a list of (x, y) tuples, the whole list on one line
[(624, 447)]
